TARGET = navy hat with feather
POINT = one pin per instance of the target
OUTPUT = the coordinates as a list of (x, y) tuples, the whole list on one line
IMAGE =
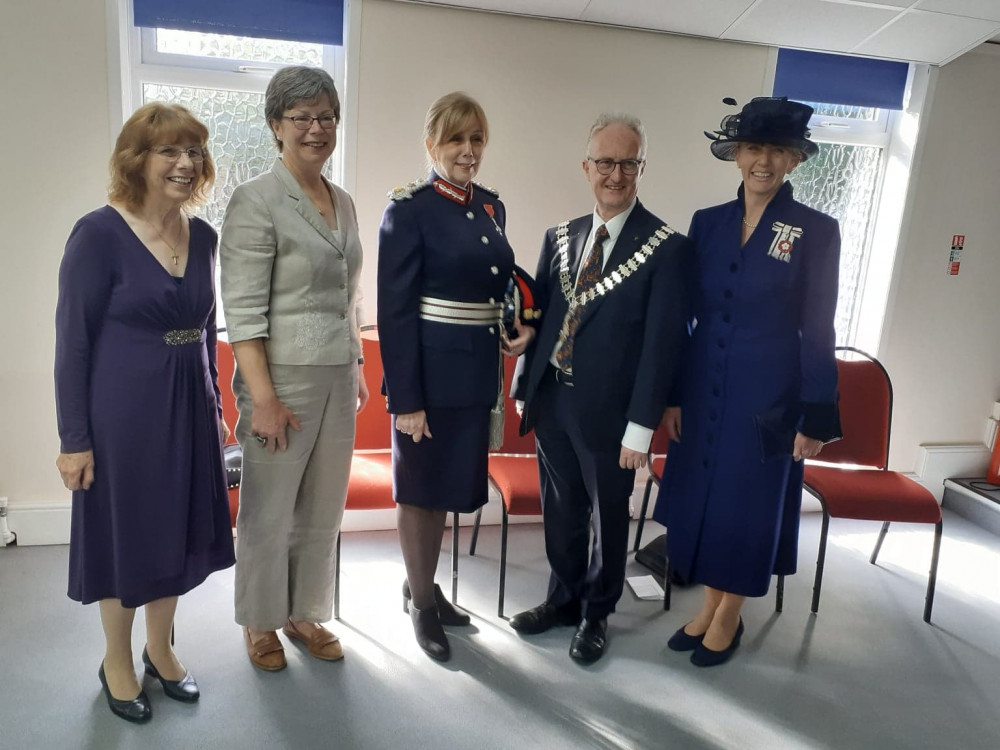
[(765, 119)]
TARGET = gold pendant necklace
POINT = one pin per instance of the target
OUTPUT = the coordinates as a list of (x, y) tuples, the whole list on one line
[(173, 248)]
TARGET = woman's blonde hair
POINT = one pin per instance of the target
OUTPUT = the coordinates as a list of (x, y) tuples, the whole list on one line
[(155, 124), (451, 114)]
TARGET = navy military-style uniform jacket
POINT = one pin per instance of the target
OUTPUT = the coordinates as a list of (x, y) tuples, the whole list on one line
[(764, 340), (439, 241)]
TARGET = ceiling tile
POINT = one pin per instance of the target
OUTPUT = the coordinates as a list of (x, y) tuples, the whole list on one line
[(809, 24), (928, 37), (680, 16), (988, 9), (549, 8), (891, 3)]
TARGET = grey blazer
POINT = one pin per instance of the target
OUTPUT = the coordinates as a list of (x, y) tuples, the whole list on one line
[(288, 278)]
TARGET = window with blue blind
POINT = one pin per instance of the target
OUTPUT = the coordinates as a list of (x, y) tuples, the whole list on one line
[(840, 79), (314, 21)]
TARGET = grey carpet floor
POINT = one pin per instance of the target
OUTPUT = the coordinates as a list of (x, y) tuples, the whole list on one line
[(866, 672)]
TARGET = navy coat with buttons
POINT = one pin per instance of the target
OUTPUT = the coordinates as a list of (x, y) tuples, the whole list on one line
[(434, 245), (764, 338)]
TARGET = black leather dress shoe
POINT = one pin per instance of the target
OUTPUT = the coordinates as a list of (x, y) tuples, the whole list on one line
[(706, 657), (185, 689), (546, 615), (136, 710), (430, 635), (448, 613), (589, 641)]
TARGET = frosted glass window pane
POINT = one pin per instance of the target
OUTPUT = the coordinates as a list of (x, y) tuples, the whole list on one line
[(239, 141), (845, 110), (238, 47), (841, 180)]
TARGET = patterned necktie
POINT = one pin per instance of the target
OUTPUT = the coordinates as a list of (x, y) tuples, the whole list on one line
[(590, 275)]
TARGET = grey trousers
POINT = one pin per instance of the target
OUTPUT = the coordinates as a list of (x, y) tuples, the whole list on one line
[(292, 502)]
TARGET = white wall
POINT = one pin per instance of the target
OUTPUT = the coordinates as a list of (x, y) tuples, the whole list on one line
[(541, 83), (53, 68), (941, 345)]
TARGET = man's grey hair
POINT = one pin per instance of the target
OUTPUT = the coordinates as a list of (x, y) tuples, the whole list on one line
[(619, 118)]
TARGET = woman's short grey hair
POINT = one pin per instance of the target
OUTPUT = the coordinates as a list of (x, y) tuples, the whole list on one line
[(294, 85), (619, 118)]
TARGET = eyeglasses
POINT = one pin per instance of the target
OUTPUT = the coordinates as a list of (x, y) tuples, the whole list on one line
[(173, 153), (629, 167), (304, 122)]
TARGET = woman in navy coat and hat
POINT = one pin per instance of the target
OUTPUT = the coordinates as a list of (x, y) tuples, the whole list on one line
[(761, 360)]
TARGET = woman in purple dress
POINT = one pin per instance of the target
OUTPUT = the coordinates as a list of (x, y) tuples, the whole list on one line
[(137, 398)]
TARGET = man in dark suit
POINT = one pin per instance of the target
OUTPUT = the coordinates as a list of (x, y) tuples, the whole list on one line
[(595, 379)]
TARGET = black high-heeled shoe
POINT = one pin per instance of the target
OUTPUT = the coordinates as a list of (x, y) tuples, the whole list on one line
[(185, 689), (137, 710), (430, 635), (448, 613)]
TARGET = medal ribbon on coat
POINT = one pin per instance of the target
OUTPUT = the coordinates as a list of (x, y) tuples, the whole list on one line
[(781, 245)]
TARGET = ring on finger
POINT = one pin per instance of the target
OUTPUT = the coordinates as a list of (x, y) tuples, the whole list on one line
[(260, 439)]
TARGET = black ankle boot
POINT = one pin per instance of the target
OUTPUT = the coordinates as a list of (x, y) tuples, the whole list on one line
[(448, 613), (430, 635)]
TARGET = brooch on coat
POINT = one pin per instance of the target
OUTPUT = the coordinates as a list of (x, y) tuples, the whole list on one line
[(784, 236), (488, 207)]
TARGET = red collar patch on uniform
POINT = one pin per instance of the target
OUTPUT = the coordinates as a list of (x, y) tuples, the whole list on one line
[(462, 196)]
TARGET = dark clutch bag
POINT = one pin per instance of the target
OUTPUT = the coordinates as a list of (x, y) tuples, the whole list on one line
[(519, 301), (777, 427)]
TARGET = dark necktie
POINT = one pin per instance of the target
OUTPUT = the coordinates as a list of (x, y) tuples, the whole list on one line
[(590, 275)]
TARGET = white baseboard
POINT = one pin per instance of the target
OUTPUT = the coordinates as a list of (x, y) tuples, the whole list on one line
[(935, 463), (39, 523), (49, 523)]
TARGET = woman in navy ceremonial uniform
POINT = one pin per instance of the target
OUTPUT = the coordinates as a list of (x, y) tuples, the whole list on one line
[(443, 267), (762, 352)]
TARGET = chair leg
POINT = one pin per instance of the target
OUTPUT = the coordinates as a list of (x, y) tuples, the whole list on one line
[(820, 559), (454, 558), (503, 561), (642, 514), (932, 578), (779, 599), (336, 580), (666, 578), (475, 533), (878, 544)]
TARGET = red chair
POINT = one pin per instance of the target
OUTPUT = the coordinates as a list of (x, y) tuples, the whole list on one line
[(657, 459), (513, 472), (370, 483), (875, 493), (226, 364)]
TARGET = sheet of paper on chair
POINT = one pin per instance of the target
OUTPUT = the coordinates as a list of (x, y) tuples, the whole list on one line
[(645, 587)]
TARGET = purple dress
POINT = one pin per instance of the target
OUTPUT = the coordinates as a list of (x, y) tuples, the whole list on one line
[(155, 522)]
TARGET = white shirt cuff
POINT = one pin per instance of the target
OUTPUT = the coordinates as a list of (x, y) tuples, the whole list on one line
[(637, 437)]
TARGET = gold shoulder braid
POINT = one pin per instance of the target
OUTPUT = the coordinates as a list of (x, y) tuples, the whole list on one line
[(405, 192), (610, 280)]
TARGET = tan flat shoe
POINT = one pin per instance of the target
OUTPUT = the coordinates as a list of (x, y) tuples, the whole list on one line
[(267, 653), (321, 642)]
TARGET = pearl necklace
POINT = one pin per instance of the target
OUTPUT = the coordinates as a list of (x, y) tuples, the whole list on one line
[(748, 224)]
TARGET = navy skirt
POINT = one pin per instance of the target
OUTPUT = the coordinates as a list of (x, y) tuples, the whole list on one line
[(449, 471)]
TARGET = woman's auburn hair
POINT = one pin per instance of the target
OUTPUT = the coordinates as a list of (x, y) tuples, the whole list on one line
[(155, 124)]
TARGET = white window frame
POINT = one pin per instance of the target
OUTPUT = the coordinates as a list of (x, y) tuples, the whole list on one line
[(895, 132), (135, 61)]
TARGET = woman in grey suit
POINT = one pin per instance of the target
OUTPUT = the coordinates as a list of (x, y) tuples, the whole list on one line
[(291, 259)]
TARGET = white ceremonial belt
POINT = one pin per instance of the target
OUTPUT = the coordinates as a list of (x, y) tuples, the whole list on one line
[(460, 313)]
